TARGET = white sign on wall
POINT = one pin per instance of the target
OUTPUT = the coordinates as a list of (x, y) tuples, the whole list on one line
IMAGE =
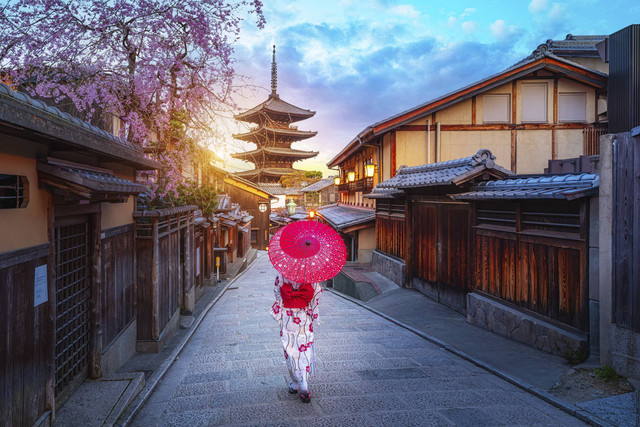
[(197, 261), (40, 285)]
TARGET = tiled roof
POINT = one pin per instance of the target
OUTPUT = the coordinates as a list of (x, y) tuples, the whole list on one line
[(258, 134), (278, 190), (318, 186), (279, 151), (19, 109), (564, 186), (341, 217), (277, 106), (92, 182), (443, 173), (571, 46)]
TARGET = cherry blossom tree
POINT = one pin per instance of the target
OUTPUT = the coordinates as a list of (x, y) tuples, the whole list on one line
[(148, 62)]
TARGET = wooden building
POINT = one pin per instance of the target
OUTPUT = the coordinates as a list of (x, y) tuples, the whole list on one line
[(321, 193), (250, 197), (422, 235), (67, 255)]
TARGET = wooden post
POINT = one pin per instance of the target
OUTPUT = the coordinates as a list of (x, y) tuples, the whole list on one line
[(554, 143), (95, 368), (393, 155), (514, 149), (408, 223), (473, 110), (155, 276), (514, 99), (50, 347)]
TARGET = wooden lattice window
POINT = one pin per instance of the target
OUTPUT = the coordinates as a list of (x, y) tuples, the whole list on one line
[(14, 191)]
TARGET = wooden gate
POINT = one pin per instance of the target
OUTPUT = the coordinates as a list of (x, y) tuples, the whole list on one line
[(439, 241), (73, 302)]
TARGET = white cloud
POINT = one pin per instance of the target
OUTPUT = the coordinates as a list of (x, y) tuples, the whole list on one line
[(556, 12), (452, 21), (469, 26), (467, 12), (537, 6), (406, 10), (501, 31)]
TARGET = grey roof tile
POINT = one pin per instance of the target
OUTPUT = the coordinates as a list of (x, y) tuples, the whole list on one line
[(341, 217)]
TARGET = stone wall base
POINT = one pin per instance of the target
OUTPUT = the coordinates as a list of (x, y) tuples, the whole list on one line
[(154, 346), (120, 350), (363, 291), (625, 351), (512, 323), (392, 268)]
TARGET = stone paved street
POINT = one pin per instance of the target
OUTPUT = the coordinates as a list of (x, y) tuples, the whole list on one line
[(370, 372)]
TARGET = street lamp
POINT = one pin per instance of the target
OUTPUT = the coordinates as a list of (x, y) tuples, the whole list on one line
[(312, 214), (369, 170), (291, 207)]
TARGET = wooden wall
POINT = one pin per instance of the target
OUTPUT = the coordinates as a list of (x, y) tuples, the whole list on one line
[(438, 257), (249, 202), (391, 235), (26, 338), (118, 281), (535, 260), (626, 232)]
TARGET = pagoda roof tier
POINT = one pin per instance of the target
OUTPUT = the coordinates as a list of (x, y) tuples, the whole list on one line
[(263, 133), (275, 152), (274, 172), (275, 109)]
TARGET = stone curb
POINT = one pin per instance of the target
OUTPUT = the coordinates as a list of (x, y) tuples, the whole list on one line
[(158, 374), (547, 397)]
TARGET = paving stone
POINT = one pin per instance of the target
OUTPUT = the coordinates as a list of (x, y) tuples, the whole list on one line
[(463, 417), (519, 415), (412, 419), (198, 389), (189, 403), (196, 418), (364, 403), (272, 412), (214, 376), (349, 420), (380, 374), (248, 397)]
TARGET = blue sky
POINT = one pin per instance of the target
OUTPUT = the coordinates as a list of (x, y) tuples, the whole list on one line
[(358, 62)]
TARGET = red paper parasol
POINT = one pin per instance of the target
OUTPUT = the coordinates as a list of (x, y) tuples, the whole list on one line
[(307, 252)]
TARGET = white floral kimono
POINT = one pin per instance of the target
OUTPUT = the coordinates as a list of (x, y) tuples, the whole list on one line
[(296, 332)]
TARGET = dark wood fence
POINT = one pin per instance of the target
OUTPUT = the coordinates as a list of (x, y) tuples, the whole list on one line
[(438, 262), (160, 257), (626, 231), (534, 255), (26, 340), (391, 235), (591, 138), (118, 281)]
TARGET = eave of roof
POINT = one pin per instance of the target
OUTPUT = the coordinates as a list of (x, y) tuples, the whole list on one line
[(547, 60), (276, 106), (557, 186), (262, 130), (342, 217), (19, 111), (242, 183), (276, 151)]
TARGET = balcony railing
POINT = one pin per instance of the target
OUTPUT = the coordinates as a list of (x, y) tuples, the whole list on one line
[(363, 184)]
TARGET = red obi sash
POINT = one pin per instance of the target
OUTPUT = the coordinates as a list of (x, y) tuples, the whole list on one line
[(292, 298)]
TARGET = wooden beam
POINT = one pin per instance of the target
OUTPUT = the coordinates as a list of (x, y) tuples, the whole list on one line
[(412, 128), (514, 99), (514, 149), (473, 110), (155, 281), (95, 350), (507, 126), (50, 333), (555, 100), (393, 154), (554, 144)]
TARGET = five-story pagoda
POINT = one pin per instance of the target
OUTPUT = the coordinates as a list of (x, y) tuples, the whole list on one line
[(273, 135)]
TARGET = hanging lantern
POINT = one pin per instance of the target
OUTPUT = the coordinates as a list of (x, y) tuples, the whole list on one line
[(351, 176), (291, 207), (336, 180), (369, 170)]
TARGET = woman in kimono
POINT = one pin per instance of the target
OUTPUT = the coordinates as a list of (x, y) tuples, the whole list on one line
[(296, 310)]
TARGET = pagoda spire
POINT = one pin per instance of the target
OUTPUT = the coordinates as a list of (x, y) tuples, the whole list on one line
[(274, 73)]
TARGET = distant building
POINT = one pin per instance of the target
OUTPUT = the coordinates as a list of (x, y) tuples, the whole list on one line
[(273, 136)]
